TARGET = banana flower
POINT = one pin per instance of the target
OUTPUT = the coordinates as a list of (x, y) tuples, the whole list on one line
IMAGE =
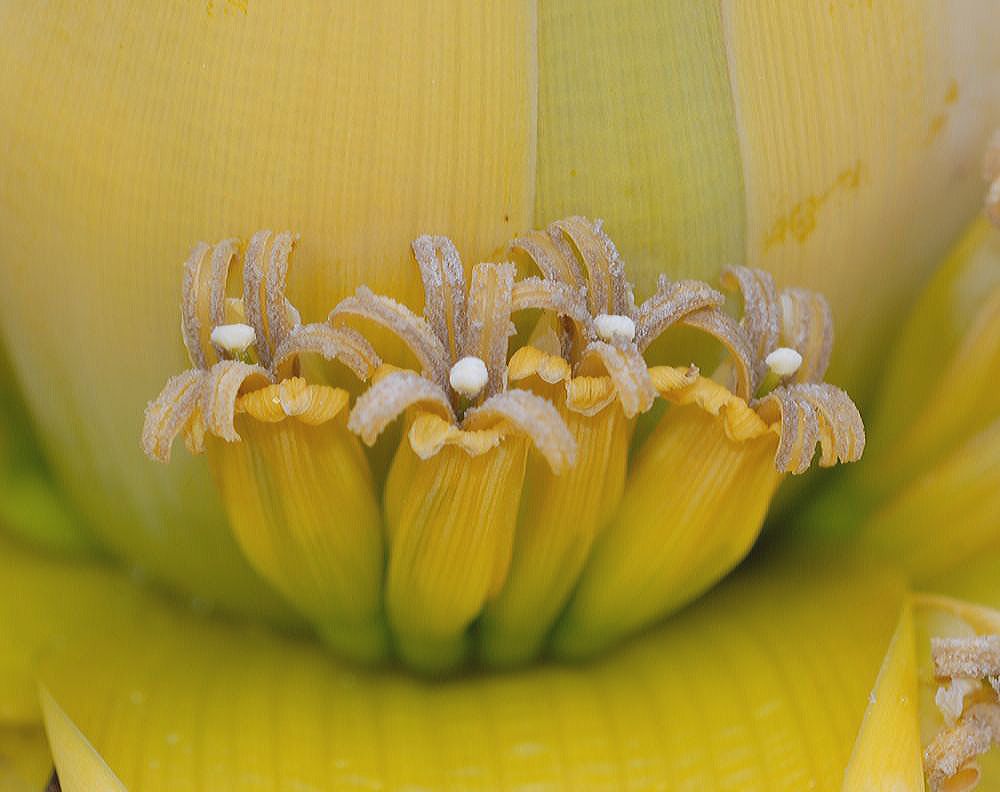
[(533, 468)]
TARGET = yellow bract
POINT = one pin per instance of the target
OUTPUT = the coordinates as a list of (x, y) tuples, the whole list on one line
[(715, 698), (938, 427)]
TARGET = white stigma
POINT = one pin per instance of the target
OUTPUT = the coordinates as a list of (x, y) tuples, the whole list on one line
[(784, 361), (469, 376), (614, 327), (234, 338)]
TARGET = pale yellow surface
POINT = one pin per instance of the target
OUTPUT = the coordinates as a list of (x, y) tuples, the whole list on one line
[(861, 128), (132, 131), (636, 126)]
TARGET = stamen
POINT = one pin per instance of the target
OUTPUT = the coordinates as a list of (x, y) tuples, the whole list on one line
[(234, 339), (469, 376), (673, 302), (552, 255), (222, 385), (532, 416), (807, 326), (332, 343), (190, 304), (799, 432), (170, 411), (222, 258), (614, 328), (557, 297), (607, 289), (760, 319), (444, 290), (383, 402), (203, 291), (812, 413), (622, 296), (966, 657), (952, 750), (724, 328), (628, 372), (411, 329), (264, 301), (490, 297)]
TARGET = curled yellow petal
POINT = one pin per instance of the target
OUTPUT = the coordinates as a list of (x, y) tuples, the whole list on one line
[(450, 522), (301, 503), (294, 398), (560, 517), (693, 505), (429, 433)]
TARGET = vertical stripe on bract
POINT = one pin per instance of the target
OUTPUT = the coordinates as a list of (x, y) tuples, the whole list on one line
[(651, 144)]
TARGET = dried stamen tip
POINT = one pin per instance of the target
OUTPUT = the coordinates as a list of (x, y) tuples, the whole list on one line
[(234, 338), (469, 376), (783, 361), (970, 709), (614, 327)]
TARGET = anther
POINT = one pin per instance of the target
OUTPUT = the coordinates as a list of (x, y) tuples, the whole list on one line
[(614, 327), (469, 376)]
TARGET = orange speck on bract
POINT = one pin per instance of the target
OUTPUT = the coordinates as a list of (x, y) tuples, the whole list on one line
[(800, 221)]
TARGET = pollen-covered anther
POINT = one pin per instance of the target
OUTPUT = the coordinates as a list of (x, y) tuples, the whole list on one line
[(469, 376), (614, 327)]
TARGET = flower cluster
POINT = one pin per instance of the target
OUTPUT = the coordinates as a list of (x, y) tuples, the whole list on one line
[(512, 520)]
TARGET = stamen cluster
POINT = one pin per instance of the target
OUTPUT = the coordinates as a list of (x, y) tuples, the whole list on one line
[(513, 482)]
